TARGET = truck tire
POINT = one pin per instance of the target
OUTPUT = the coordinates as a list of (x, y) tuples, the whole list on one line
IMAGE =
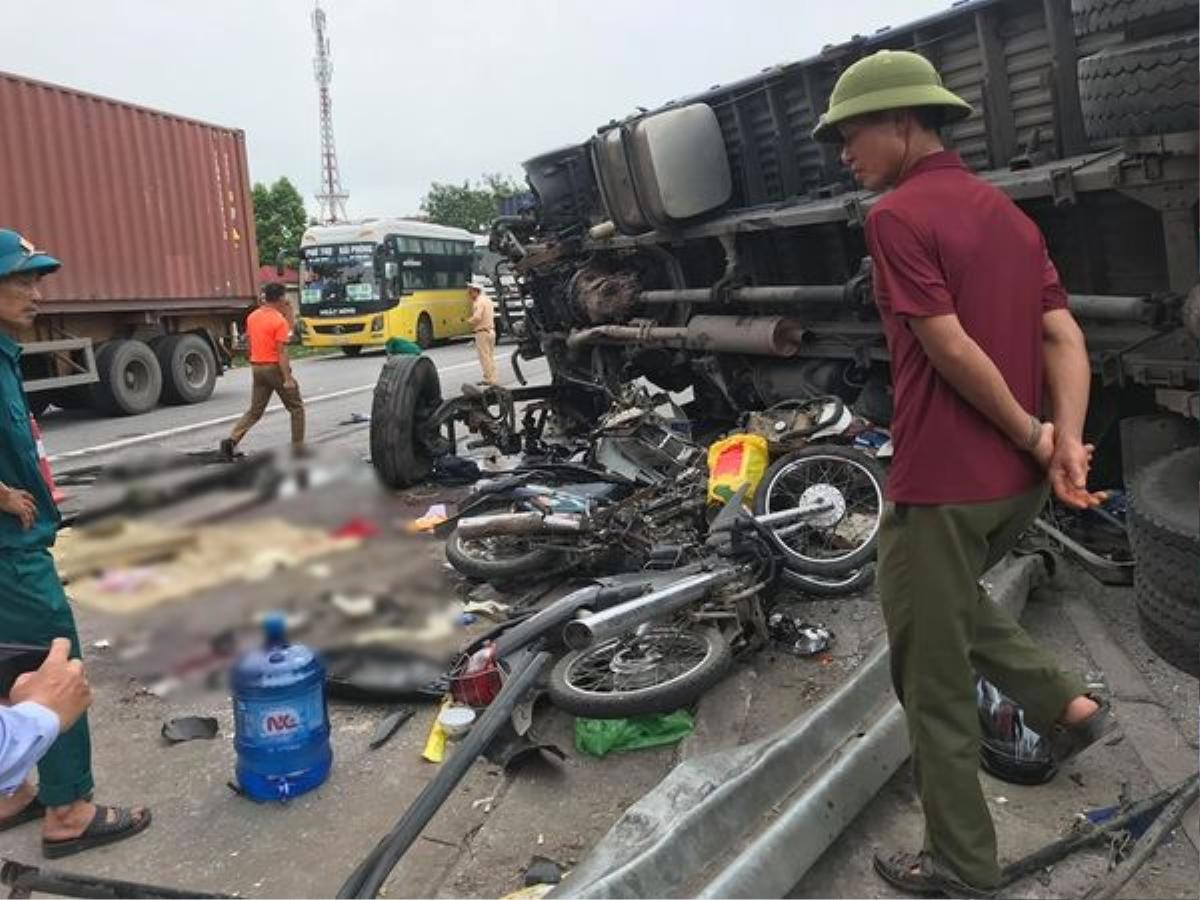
[(130, 378), (1178, 643), (1149, 87), (1092, 16), (189, 368), (352, 350), (407, 392), (1165, 535)]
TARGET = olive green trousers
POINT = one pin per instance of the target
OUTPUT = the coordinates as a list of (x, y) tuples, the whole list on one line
[(942, 631)]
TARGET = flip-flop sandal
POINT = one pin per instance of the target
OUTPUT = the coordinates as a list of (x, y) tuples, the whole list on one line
[(916, 873), (99, 832), (33, 811)]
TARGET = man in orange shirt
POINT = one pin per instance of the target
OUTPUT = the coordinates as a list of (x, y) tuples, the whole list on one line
[(268, 329)]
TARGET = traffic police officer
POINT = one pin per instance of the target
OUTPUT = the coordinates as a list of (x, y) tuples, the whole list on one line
[(33, 607)]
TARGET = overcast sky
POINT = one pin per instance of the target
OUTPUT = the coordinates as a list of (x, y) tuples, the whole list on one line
[(442, 90)]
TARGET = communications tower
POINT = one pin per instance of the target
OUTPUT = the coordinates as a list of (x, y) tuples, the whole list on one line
[(331, 199)]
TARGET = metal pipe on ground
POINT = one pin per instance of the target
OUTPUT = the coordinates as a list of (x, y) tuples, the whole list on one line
[(792, 793), (25, 880), (373, 872), (580, 634), (752, 335), (518, 524)]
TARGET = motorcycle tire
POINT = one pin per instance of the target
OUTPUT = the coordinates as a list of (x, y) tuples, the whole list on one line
[(860, 477), (629, 692), (477, 559)]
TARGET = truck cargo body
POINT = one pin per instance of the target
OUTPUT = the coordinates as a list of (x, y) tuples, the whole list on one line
[(1085, 114), (151, 215), (712, 246)]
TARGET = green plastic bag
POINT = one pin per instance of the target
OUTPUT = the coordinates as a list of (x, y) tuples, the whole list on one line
[(599, 737), (397, 345)]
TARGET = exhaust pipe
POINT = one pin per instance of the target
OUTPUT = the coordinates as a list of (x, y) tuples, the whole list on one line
[(752, 335), (580, 634), (518, 524)]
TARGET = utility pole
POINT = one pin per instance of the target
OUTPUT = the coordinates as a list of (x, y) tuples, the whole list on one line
[(331, 199)]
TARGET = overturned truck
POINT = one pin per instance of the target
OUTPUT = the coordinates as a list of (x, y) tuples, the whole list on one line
[(710, 246)]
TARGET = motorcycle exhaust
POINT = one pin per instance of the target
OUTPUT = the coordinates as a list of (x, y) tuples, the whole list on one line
[(579, 634), (519, 524)]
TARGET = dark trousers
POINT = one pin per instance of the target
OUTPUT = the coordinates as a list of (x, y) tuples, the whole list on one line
[(942, 630), (268, 380), (34, 610)]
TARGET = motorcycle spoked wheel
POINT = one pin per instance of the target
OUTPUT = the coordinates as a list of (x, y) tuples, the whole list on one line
[(657, 669)]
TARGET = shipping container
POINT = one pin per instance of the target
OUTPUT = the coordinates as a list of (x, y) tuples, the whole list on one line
[(151, 215)]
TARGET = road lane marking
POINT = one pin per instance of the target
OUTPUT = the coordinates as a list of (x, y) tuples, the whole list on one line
[(221, 420)]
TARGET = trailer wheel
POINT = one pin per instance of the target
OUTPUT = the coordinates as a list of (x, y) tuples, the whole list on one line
[(1144, 88), (1165, 535), (130, 378), (407, 392), (189, 368)]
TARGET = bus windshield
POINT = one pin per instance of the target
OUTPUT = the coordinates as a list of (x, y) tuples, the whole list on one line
[(340, 280)]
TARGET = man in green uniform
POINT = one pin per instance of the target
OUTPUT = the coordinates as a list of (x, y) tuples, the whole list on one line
[(33, 607), (978, 331)]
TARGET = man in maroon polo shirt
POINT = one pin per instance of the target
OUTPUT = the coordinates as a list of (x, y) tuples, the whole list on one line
[(978, 332)]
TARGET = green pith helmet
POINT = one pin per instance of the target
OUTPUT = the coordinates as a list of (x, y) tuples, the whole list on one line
[(888, 79)]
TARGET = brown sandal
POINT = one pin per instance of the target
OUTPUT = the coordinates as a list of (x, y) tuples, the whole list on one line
[(917, 873)]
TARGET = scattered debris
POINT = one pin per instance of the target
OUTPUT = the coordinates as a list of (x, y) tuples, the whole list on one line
[(485, 802), (542, 870), (433, 517), (190, 728), (359, 606), (797, 636), (389, 725), (102, 644), (510, 750), (456, 720), (454, 471), (383, 675), (599, 737), (356, 419)]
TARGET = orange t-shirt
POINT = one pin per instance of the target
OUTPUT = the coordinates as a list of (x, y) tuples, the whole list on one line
[(265, 329)]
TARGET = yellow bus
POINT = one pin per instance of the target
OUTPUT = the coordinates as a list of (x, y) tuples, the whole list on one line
[(365, 282)]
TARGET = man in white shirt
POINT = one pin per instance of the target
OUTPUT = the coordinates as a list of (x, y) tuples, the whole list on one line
[(44, 703)]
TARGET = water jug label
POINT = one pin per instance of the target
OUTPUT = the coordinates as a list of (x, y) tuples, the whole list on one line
[(281, 723)]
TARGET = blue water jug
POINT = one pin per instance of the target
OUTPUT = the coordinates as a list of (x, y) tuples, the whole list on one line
[(281, 724)]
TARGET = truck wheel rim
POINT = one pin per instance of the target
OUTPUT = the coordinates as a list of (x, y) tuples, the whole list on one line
[(195, 369)]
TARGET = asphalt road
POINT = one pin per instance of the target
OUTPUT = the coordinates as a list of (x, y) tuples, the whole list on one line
[(336, 390)]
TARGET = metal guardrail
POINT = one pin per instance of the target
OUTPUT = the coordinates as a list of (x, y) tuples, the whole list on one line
[(751, 821)]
